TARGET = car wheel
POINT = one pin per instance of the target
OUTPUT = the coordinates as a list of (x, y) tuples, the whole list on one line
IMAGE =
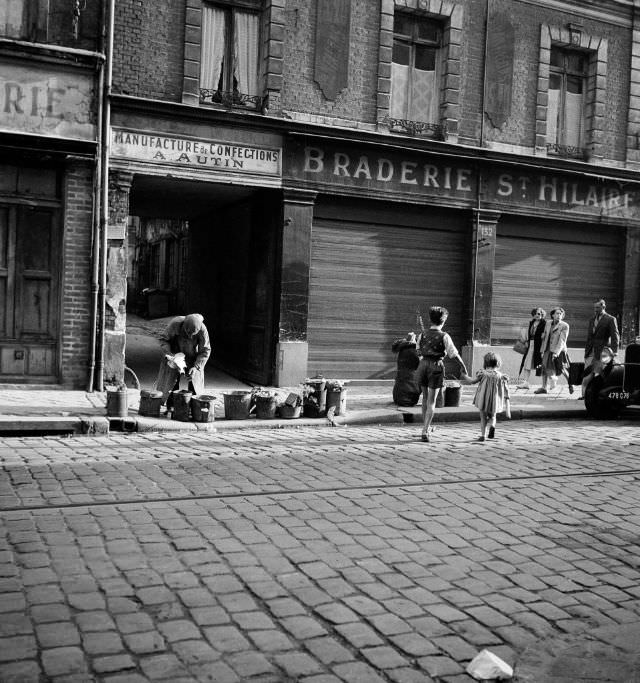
[(596, 407)]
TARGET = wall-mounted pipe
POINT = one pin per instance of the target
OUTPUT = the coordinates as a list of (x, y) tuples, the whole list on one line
[(104, 194), (97, 196)]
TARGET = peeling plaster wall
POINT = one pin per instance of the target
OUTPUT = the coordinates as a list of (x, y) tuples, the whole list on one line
[(115, 319)]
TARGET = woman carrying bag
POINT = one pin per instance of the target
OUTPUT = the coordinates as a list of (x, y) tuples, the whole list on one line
[(530, 345), (555, 360)]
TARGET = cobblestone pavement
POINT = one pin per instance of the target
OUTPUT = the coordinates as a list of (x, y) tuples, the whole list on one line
[(348, 554)]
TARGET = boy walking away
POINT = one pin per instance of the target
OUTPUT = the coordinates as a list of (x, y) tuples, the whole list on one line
[(492, 394), (434, 345)]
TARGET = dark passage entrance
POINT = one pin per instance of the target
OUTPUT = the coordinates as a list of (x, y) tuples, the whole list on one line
[(211, 249)]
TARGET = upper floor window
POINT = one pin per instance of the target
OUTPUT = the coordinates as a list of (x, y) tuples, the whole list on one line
[(229, 58), (415, 68), (565, 109)]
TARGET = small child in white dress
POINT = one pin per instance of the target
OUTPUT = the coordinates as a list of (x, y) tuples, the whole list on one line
[(492, 394)]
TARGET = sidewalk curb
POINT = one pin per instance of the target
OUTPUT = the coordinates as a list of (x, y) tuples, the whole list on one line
[(47, 423), (86, 424), (354, 418)]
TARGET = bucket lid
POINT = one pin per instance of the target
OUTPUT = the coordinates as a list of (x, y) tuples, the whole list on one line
[(150, 393), (204, 397)]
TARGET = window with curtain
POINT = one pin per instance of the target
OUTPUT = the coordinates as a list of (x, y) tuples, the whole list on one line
[(566, 100), (229, 56), (13, 18), (415, 68)]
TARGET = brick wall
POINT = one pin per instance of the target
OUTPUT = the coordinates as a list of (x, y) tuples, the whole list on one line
[(471, 67), (520, 129), (300, 93), (76, 291), (149, 48)]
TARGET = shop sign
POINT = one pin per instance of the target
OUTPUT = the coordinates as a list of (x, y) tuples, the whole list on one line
[(564, 193), (388, 172), (194, 154), (55, 104), (393, 173)]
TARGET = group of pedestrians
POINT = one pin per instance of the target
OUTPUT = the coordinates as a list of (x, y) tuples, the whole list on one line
[(543, 345)]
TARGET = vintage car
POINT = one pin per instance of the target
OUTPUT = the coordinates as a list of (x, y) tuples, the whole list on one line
[(617, 387)]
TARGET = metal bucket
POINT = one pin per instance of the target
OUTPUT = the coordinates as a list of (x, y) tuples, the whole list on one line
[(181, 405), (452, 394), (150, 403), (202, 408), (315, 404), (289, 412), (237, 405), (266, 407), (117, 403), (337, 398)]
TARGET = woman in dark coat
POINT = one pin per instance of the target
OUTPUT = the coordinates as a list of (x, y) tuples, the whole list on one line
[(406, 390), (532, 359)]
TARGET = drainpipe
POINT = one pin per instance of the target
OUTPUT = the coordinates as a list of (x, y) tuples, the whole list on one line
[(479, 176), (105, 125), (95, 238)]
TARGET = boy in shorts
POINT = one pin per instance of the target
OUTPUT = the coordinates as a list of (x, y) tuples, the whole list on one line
[(434, 345)]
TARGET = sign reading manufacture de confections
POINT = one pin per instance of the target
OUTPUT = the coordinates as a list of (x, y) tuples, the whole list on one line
[(195, 154)]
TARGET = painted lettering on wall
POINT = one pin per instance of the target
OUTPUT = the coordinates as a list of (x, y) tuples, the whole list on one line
[(435, 177), (186, 152), (52, 104), (570, 194), (387, 171)]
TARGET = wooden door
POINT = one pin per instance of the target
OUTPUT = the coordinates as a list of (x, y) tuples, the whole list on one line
[(29, 299)]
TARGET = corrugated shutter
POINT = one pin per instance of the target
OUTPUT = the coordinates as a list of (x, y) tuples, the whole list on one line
[(367, 283), (549, 265)]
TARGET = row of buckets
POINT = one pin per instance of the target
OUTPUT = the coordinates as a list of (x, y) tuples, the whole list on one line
[(238, 405), (186, 406)]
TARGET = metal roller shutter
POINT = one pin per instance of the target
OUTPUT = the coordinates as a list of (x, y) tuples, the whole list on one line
[(549, 265), (368, 281)]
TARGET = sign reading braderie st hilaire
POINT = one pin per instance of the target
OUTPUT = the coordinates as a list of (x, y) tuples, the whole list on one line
[(445, 180), (193, 154)]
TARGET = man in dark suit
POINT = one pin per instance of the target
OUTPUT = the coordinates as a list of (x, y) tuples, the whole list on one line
[(602, 331)]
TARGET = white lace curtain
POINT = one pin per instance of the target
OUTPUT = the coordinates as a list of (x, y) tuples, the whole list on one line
[(414, 94), (569, 130), (213, 42), (215, 37), (246, 52), (573, 119)]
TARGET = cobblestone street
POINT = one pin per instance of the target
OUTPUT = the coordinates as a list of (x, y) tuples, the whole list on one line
[(354, 554)]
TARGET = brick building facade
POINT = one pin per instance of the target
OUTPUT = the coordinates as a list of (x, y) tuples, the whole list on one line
[(515, 186), (50, 61), (312, 176)]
